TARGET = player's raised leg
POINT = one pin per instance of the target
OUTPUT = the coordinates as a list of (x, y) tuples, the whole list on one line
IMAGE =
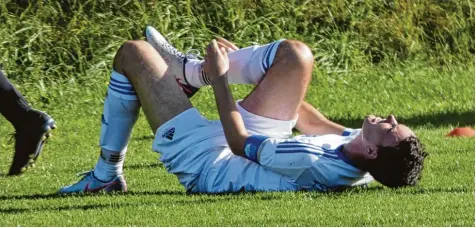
[(282, 71), (138, 79), (249, 66), (159, 94), (280, 93)]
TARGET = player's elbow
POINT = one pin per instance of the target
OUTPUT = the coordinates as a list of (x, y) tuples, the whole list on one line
[(237, 149), (237, 144)]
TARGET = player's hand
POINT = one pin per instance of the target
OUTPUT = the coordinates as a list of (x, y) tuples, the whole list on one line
[(229, 46), (216, 63)]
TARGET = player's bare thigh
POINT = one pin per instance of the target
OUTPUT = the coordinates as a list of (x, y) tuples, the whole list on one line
[(280, 93), (160, 96)]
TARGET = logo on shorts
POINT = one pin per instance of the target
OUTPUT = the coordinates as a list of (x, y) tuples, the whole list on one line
[(169, 133)]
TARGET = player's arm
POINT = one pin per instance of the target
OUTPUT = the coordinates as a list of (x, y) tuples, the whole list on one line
[(216, 67), (231, 119), (312, 122)]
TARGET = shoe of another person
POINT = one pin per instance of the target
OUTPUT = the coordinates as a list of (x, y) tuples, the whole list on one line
[(30, 139)]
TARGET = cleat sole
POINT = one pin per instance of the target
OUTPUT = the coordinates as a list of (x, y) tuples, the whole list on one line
[(48, 128)]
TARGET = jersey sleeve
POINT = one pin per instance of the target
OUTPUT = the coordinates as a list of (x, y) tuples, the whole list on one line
[(351, 132), (278, 155)]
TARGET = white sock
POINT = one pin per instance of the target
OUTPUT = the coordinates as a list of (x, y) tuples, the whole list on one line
[(121, 109), (247, 65)]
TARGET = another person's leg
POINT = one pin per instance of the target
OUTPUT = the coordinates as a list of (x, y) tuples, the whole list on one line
[(32, 126), (139, 79)]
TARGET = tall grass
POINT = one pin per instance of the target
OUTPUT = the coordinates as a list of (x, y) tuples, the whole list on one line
[(411, 58), (69, 43)]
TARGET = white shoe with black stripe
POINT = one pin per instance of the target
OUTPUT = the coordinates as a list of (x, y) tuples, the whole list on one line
[(173, 57)]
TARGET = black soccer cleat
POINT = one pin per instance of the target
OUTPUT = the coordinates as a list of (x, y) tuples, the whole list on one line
[(30, 139)]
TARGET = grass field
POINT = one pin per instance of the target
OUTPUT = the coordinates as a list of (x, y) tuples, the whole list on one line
[(414, 59)]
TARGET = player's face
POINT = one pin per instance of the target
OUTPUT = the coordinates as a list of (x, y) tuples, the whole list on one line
[(384, 132)]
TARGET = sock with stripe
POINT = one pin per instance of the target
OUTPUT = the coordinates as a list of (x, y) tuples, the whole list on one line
[(121, 110), (247, 66)]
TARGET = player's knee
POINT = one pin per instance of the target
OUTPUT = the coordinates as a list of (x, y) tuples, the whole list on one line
[(125, 52), (129, 53), (297, 52), (299, 56)]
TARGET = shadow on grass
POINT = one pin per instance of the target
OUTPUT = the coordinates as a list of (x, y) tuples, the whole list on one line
[(106, 206), (409, 190), (459, 119), (128, 193), (144, 166), (183, 202), (211, 199), (56, 196), (72, 207), (406, 191), (143, 138)]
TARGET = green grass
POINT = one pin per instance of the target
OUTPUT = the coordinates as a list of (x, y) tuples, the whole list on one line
[(414, 59)]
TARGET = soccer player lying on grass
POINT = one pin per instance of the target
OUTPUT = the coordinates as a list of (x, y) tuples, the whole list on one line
[(252, 148)]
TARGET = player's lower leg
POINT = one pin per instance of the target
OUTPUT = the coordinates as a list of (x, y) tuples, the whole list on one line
[(121, 109), (247, 65), (32, 127)]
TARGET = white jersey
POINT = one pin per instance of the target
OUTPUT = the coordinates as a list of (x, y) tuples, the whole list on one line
[(196, 151), (312, 162)]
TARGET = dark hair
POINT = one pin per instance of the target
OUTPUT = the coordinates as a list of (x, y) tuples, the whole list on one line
[(398, 166)]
